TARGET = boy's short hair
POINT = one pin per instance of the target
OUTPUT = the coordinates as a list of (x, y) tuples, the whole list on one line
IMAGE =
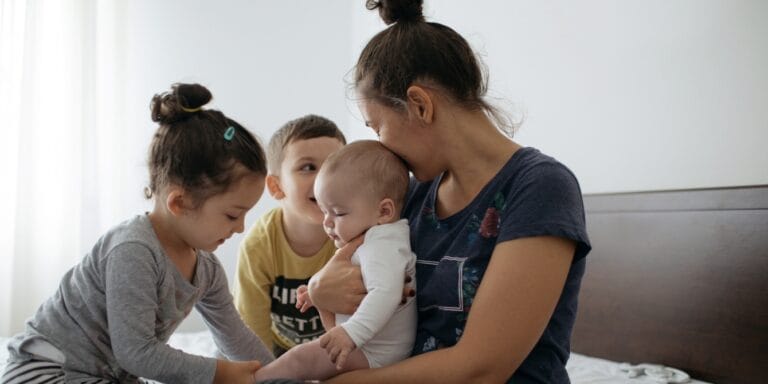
[(303, 128), (376, 168)]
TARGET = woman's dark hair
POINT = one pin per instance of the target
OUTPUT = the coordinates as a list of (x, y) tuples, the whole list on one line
[(411, 50), (201, 150)]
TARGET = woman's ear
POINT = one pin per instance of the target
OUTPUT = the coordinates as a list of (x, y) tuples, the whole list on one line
[(421, 102), (175, 201), (273, 186), (386, 211)]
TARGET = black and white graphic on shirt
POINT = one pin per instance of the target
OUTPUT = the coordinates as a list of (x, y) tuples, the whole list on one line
[(446, 293), (289, 321)]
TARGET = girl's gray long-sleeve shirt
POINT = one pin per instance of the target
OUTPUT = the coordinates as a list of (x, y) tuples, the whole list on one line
[(115, 311)]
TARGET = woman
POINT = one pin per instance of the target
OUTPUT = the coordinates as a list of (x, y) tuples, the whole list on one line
[(498, 228)]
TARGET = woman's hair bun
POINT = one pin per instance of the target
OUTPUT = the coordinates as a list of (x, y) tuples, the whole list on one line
[(182, 101), (392, 11)]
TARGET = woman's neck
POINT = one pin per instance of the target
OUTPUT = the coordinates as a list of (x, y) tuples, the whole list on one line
[(304, 238), (478, 151)]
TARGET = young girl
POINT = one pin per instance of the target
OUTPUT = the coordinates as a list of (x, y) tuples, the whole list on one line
[(113, 313)]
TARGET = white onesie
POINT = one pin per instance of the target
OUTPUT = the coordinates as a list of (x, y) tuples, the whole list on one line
[(382, 328)]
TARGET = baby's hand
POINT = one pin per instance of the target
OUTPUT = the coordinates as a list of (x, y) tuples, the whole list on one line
[(303, 302), (338, 344)]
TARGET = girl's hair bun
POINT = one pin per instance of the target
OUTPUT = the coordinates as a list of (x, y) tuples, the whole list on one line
[(392, 11), (181, 102)]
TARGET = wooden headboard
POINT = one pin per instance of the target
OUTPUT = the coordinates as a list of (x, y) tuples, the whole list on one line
[(678, 278)]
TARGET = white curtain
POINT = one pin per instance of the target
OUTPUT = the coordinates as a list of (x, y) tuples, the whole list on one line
[(60, 155)]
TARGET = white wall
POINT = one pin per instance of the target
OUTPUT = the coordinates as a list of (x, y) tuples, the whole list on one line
[(264, 62), (631, 95)]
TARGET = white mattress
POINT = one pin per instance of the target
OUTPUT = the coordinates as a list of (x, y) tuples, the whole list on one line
[(582, 369)]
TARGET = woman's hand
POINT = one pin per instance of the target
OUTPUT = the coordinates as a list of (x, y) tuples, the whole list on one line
[(338, 286), (236, 372)]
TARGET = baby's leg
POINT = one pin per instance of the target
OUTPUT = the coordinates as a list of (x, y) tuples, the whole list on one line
[(309, 361)]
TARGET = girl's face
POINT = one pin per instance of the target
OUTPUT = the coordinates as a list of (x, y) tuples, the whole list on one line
[(404, 135), (221, 215), (347, 211)]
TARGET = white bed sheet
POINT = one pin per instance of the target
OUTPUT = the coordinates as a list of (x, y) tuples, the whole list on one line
[(581, 369)]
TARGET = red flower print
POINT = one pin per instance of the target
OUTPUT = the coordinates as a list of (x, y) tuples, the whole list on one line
[(490, 226)]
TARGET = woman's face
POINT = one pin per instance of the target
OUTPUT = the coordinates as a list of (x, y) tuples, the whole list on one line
[(404, 136)]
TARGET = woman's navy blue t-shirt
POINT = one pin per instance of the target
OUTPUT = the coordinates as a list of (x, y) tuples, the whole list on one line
[(532, 195)]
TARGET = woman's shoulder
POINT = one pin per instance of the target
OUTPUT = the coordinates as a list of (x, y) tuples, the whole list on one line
[(530, 169), (530, 160)]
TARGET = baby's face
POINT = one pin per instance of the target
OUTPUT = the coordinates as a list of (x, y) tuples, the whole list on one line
[(348, 211)]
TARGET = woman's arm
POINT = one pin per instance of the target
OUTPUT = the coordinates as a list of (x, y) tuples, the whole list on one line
[(338, 286), (526, 276)]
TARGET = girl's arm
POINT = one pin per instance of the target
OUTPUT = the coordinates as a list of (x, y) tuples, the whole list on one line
[(526, 277), (233, 338)]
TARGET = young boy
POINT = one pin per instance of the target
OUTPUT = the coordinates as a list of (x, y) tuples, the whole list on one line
[(361, 191), (288, 244)]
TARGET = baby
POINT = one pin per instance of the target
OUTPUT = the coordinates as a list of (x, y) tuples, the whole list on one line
[(361, 190)]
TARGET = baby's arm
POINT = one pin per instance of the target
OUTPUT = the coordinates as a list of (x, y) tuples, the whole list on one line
[(383, 261)]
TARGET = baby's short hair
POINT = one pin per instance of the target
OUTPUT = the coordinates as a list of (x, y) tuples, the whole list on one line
[(376, 168), (303, 128)]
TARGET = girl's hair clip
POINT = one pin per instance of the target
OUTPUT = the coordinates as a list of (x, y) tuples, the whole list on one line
[(229, 133)]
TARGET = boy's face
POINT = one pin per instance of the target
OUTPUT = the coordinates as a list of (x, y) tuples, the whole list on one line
[(301, 162), (347, 210)]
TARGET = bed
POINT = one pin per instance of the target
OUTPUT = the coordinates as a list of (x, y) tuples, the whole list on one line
[(675, 290), (678, 278), (581, 369)]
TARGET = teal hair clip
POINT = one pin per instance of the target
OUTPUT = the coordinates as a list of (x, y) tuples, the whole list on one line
[(229, 133)]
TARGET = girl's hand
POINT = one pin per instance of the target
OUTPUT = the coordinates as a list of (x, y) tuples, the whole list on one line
[(238, 372), (303, 301), (338, 344), (338, 286)]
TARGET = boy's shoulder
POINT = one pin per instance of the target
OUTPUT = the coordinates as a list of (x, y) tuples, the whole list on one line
[(268, 229)]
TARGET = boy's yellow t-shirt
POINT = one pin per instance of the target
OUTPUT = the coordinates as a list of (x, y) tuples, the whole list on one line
[(268, 273)]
